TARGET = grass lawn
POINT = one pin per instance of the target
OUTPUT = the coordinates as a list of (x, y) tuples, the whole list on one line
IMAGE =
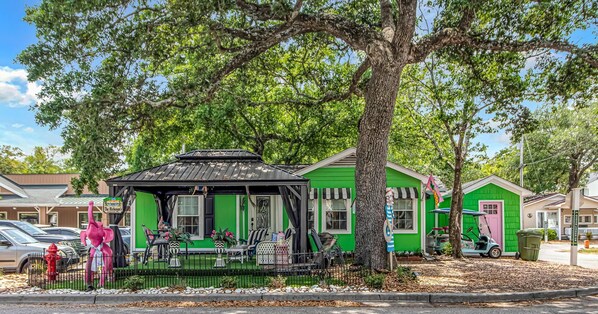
[(591, 250)]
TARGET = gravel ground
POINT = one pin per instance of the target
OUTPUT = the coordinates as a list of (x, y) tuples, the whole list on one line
[(444, 275)]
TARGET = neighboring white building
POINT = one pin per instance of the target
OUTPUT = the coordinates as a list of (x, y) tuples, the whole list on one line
[(592, 185)]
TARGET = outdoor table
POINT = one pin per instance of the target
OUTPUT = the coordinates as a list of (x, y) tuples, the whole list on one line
[(237, 253)]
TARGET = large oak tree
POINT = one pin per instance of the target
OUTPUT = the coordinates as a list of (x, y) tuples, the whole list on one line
[(107, 67)]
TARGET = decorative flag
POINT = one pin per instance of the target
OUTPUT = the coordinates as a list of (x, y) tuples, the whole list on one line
[(435, 192)]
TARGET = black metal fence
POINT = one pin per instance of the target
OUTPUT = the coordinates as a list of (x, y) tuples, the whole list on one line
[(203, 271)]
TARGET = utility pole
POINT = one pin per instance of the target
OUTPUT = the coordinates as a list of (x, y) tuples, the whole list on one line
[(521, 165)]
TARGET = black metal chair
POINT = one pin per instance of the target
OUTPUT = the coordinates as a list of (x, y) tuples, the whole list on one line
[(328, 249), (153, 240)]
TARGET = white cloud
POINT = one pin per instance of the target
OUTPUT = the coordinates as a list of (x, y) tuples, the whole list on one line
[(15, 90), (28, 129), (17, 125)]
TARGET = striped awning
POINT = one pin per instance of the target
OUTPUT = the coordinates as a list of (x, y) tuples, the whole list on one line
[(405, 193), (313, 194), (336, 193)]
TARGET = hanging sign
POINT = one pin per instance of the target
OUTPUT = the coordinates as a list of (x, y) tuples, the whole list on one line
[(388, 223), (113, 205)]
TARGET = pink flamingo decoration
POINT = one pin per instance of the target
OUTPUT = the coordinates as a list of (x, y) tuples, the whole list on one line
[(100, 253)]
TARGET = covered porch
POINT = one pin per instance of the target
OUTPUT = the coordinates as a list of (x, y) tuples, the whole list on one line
[(205, 190)]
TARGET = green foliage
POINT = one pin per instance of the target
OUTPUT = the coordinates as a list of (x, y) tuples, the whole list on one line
[(589, 235), (405, 274), (375, 281), (277, 282), (42, 160), (225, 236), (1, 272), (552, 235), (447, 249), (134, 283), (10, 160), (228, 282)]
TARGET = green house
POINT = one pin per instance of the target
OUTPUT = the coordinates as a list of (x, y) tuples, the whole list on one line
[(500, 199), (245, 194)]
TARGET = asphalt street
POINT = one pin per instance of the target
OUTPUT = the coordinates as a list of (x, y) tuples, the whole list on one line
[(579, 305)]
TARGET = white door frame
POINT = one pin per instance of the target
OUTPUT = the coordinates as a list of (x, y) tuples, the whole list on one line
[(275, 217)]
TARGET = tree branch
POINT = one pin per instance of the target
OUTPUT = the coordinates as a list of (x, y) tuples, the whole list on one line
[(454, 37)]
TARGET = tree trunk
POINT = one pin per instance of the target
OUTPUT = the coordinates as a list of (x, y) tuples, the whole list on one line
[(370, 171), (456, 210), (574, 175)]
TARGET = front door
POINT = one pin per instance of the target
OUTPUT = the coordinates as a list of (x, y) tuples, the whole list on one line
[(493, 212), (262, 214)]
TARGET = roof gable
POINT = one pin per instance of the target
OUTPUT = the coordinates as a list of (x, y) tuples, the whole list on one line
[(12, 187), (492, 179), (348, 158)]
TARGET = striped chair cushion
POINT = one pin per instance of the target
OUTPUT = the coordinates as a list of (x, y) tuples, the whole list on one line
[(256, 235)]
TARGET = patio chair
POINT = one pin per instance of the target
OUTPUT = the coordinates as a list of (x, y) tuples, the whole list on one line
[(254, 237), (328, 248), (153, 240), (265, 251)]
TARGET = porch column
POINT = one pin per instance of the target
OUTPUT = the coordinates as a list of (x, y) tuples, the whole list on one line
[(303, 219), (43, 215), (560, 226)]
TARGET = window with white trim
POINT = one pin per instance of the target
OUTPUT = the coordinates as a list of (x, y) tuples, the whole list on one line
[(52, 219), (82, 218), (596, 219), (568, 219), (312, 217), (404, 211), (586, 219), (337, 215), (189, 215), (32, 218)]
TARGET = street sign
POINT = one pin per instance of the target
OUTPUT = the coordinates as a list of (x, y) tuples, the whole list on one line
[(113, 205)]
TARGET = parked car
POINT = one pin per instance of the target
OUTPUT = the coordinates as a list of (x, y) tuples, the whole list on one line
[(67, 231), (18, 250), (125, 232), (42, 236)]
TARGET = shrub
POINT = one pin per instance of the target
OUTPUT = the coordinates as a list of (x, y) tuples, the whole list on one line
[(277, 282), (133, 283), (589, 235), (1, 271), (228, 282), (179, 285), (551, 234), (375, 281), (447, 249), (404, 274)]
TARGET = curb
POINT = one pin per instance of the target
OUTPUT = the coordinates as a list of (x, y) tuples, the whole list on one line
[(361, 296)]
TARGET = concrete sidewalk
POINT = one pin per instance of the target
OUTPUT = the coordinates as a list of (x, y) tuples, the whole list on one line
[(559, 252), (386, 296)]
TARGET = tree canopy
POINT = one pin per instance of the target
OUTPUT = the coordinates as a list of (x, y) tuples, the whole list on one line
[(110, 70)]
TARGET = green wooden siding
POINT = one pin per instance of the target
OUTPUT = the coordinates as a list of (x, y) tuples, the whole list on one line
[(344, 177), (490, 192), (146, 213)]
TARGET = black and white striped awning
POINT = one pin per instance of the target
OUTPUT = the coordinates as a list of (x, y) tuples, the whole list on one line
[(405, 193), (336, 193), (313, 194)]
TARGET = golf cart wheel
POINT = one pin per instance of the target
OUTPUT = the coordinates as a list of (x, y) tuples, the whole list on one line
[(495, 252)]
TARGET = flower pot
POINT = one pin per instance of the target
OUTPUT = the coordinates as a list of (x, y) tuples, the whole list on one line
[(174, 248), (219, 250), (586, 244)]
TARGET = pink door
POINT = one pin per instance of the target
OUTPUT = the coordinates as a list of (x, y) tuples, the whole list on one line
[(493, 212)]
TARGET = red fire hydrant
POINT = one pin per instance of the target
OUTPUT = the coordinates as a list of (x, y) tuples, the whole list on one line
[(51, 258)]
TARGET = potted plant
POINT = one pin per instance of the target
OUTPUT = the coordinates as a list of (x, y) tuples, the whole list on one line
[(589, 236), (221, 239), (175, 236)]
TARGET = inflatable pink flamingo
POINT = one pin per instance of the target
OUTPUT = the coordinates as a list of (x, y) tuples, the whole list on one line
[(100, 253)]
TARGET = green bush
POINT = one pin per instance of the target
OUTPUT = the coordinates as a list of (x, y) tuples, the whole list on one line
[(405, 274), (277, 282), (228, 282), (375, 281), (1, 271), (589, 235), (447, 249), (551, 234), (134, 283)]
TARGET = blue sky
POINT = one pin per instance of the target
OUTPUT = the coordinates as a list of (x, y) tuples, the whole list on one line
[(17, 121)]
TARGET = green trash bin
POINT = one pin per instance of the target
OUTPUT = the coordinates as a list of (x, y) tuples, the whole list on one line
[(529, 244)]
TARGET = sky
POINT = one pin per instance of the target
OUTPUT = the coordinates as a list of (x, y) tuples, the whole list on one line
[(17, 120)]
